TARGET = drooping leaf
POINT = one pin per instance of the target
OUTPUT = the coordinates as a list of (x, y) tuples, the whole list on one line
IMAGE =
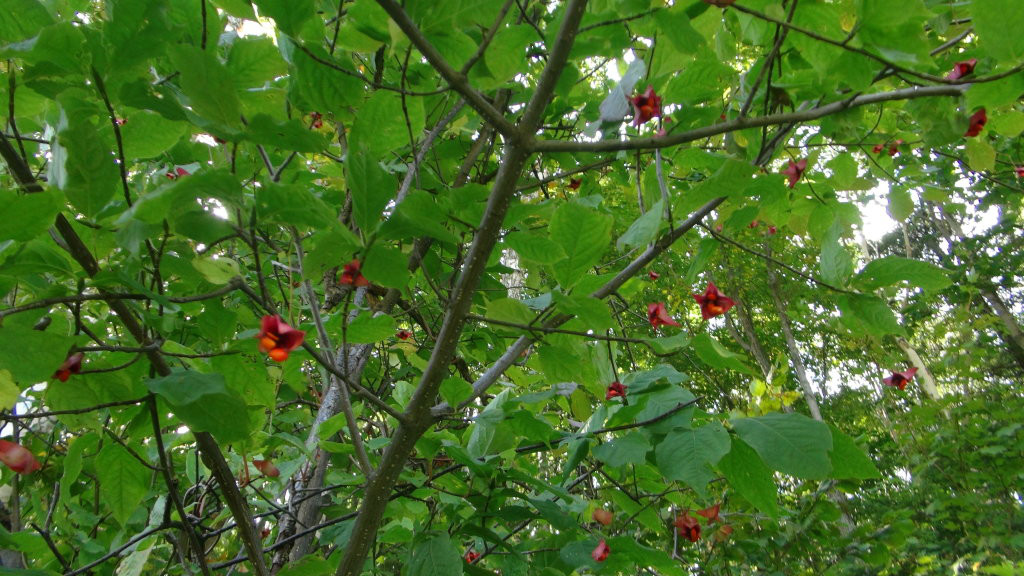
[(892, 270), (204, 402), (584, 235), (748, 475), (124, 481), (688, 454), (848, 460), (790, 443)]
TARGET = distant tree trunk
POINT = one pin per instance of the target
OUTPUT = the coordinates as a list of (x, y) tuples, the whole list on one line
[(923, 374), (791, 346)]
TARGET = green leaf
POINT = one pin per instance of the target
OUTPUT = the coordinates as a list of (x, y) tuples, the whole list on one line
[(84, 167), (289, 15), (124, 481), (748, 475), (509, 310), (504, 58), (26, 216), (584, 235), (386, 266), (789, 443), (371, 188), (454, 390), (204, 403), (368, 329), (419, 213), (868, 315), (848, 460), (892, 270), (72, 464), (998, 24), (308, 566), (712, 353), (288, 135), (688, 454), (643, 230), (207, 86), (591, 312), (435, 556), (836, 263), (32, 356), (981, 156), (22, 19), (217, 270), (380, 125), (9, 391), (901, 205), (629, 449), (534, 248), (146, 134)]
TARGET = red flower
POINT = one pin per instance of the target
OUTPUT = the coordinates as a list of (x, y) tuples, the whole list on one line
[(654, 275), (120, 121), (688, 527), (754, 224), (177, 173), (977, 122), (900, 379), (18, 458), (574, 183), (615, 390), (267, 468), (795, 171), (894, 147), (603, 516), (601, 552), (351, 275), (711, 513), (1020, 171), (772, 230), (658, 315), (645, 106), (277, 339), (316, 120), (470, 556), (712, 302), (72, 365), (961, 69), (403, 335), (878, 148)]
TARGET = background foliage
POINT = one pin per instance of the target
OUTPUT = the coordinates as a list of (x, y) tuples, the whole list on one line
[(458, 204)]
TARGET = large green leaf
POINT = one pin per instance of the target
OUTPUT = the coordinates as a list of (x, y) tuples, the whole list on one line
[(868, 315), (629, 449), (892, 270), (289, 15), (26, 216), (836, 263), (84, 167), (371, 188), (124, 481), (643, 230), (584, 235), (848, 460), (368, 329), (435, 556), (748, 475), (688, 455), (712, 353), (380, 125), (790, 443), (147, 134), (535, 248), (32, 356), (205, 403), (998, 24), (208, 87)]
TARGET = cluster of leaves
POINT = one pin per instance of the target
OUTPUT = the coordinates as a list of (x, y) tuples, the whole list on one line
[(510, 287)]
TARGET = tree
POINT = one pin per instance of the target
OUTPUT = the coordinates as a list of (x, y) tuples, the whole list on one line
[(306, 287)]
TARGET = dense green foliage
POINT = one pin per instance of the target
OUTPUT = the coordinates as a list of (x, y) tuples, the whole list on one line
[(473, 210)]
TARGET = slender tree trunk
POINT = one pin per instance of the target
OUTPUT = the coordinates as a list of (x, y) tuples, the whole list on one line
[(791, 346), (923, 374)]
